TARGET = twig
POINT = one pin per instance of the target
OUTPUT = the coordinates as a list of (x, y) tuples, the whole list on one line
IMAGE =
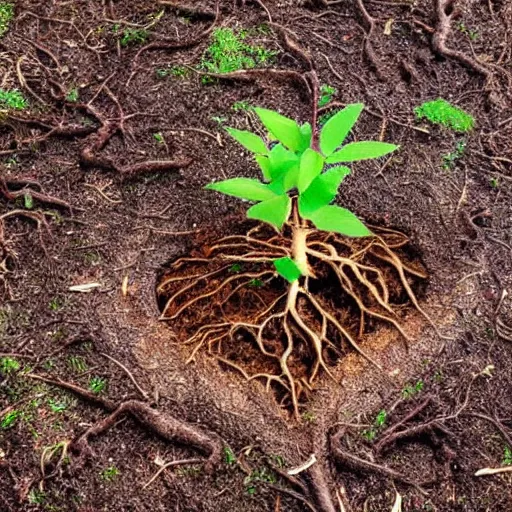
[(170, 465), (129, 373)]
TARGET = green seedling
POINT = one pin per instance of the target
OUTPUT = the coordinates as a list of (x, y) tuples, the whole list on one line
[(229, 456), (450, 160), (28, 201), (159, 138), (327, 92), (235, 268), (219, 119), (77, 364), (259, 475), (229, 52), (494, 182), (109, 474), (443, 113), (56, 304), (244, 106), (6, 16), (309, 416), (12, 100), (8, 365), (133, 36), (256, 283), (411, 390), (301, 175), (10, 419), (72, 95), (472, 34), (36, 497), (380, 420), (97, 385), (507, 456)]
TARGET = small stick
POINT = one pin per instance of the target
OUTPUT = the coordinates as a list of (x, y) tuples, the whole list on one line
[(169, 465)]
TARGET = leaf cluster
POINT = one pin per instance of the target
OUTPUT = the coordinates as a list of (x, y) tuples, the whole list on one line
[(6, 15), (291, 167), (133, 36), (442, 112), (229, 52), (13, 100)]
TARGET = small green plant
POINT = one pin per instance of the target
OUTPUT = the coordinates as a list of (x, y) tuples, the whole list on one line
[(229, 456), (259, 475), (494, 182), (77, 364), (235, 268), (411, 390), (443, 113), (243, 105), (28, 201), (72, 95), (380, 420), (450, 160), (36, 497), (109, 474), (299, 163), (97, 385), (56, 304), (6, 15), (229, 52), (10, 419), (133, 36), (255, 283), (12, 100), (159, 138), (220, 120), (57, 406), (507, 456), (309, 416), (327, 92), (471, 33), (9, 365)]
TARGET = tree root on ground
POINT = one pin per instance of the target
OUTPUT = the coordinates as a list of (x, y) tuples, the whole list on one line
[(165, 426), (356, 463), (234, 305), (444, 14)]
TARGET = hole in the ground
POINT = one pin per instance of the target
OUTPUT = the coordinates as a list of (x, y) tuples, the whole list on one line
[(225, 299)]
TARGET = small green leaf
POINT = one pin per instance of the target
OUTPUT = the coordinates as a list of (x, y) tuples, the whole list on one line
[(311, 165), (281, 160), (361, 151), (28, 201), (287, 268), (322, 191), (244, 188), (306, 133), (248, 140), (264, 163), (274, 211), (339, 220), (285, 130), (338, 127)]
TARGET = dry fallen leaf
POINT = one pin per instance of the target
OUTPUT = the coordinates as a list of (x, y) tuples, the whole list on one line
[(84, 288), (124, 286), (387, 27), (397, 507)]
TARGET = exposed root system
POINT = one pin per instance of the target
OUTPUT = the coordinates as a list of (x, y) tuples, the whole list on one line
[(230, 302)]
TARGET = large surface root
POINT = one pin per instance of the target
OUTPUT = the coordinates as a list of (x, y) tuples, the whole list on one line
[(230, 302), (164, 425)]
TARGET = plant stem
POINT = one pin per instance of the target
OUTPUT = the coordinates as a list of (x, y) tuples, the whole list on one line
[(299, 242), (313, 78)]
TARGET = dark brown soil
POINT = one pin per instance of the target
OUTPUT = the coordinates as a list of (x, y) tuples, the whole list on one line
[(112, 205)]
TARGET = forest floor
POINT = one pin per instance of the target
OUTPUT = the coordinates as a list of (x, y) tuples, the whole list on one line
[(102, 169)]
